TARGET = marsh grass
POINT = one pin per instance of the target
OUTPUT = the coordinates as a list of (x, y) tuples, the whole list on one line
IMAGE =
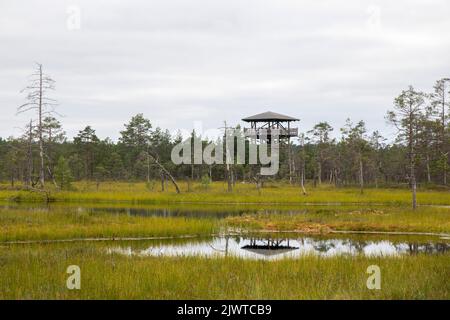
[(323, 220), (181, 208), (39, 272), (74, 222), (17, 225), (273, 193)]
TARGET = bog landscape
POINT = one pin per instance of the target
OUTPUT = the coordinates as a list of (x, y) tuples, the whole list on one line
[(225, 150), (135, 225)]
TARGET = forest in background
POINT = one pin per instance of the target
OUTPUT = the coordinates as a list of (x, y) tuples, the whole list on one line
[(44, 154)]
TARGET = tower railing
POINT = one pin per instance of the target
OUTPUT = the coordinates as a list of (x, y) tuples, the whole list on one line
[(281, 132)]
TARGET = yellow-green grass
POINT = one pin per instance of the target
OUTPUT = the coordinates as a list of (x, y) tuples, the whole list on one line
[(324, 220), (21, 225), (68, 222), (39, 272), (273, 193), (212, 209)]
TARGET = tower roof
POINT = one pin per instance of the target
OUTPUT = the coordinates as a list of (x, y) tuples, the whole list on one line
[(269, 249), (269, 116)]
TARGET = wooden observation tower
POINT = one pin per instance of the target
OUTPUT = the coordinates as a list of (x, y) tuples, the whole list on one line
[(274, 128), (269, 125)]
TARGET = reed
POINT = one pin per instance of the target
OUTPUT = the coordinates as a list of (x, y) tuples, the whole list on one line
[(64, 221), (273, 193), (21, 225), (39, 272)]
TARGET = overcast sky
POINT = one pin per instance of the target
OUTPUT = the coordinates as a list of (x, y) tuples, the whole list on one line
[(181, 61)]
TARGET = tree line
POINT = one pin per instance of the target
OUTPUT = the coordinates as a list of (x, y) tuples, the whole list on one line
[(420, 154)]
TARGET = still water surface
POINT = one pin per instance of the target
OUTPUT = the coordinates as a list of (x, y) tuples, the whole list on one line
[(279, 248), (241, 246)]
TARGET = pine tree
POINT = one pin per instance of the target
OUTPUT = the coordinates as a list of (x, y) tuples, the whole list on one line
[(63, 175)]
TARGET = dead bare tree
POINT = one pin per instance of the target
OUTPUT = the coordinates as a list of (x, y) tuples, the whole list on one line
[(164, 171), (38, 101), (30, 154), (27, 139), (228, 164), (303, 153)]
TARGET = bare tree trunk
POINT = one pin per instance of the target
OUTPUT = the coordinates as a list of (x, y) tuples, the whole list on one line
[(229, 178), (165, 171), (336, 178), (290, 160), (36, 101), (41, 143), (303, 168), (227, 162), (12, 178), (428, 169), (50, 166), (234, 176), (30, 154), (50, 173), (294, 169), (162, 181), (412, 159), (319, 172), (228, 168), (361, 174), (227, 238), (258, 182), (414, 188), (302, 182), (444, 173)]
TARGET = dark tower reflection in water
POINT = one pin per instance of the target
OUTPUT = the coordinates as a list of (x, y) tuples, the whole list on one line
[(269, 246)]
